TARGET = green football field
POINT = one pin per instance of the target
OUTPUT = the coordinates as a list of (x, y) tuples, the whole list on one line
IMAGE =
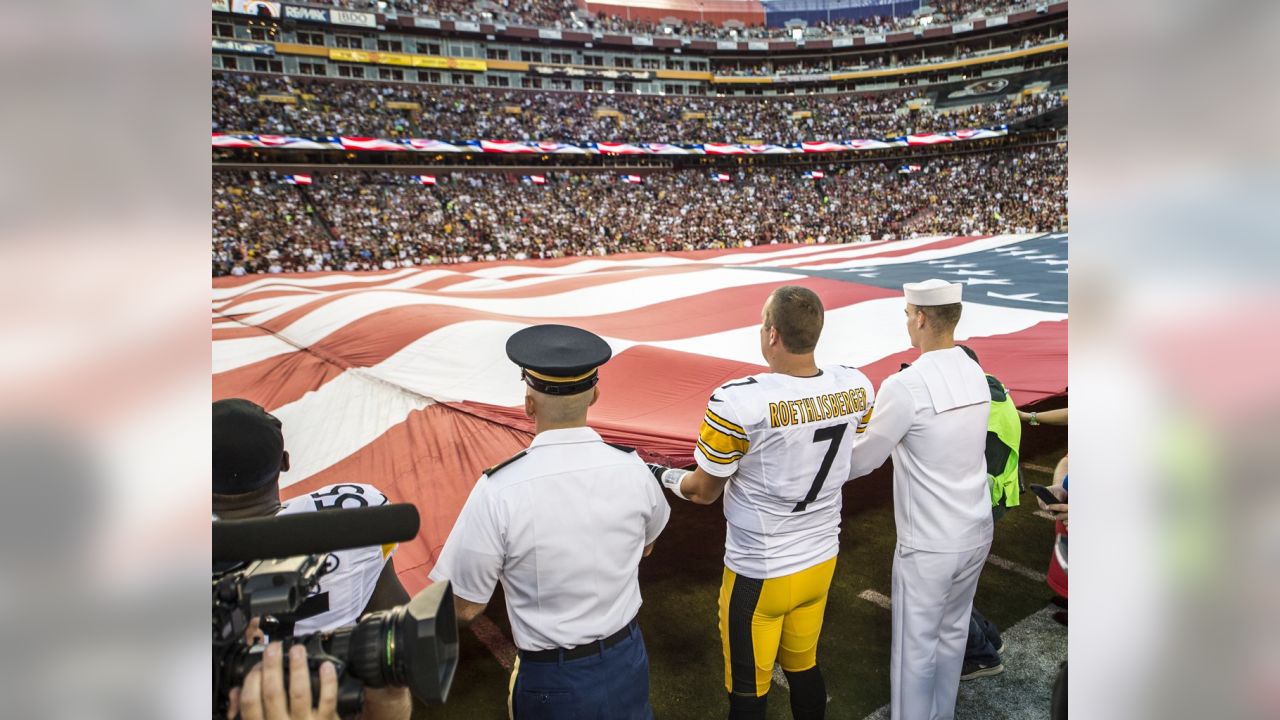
[(680, 585)]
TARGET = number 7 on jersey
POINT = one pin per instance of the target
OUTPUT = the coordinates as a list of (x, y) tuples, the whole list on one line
[(832, 434)]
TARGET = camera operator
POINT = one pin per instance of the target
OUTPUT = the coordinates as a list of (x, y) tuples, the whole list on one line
[(248, 457), (263, 696)]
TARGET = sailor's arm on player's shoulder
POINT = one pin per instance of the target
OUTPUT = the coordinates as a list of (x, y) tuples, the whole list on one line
[(894, 411)]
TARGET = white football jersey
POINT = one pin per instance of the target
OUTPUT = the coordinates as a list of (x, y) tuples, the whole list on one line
[(785, 441), (349, 575)]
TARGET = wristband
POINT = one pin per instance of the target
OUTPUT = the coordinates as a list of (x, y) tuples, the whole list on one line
[(671, 480), (1033, 420)]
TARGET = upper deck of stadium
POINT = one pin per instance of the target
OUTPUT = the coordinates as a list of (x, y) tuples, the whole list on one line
[(547, 45)]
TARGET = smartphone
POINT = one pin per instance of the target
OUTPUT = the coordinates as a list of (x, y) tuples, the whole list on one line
[(1044, 494)]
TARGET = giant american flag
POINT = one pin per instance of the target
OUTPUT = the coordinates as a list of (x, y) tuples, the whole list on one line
[(400, 378)]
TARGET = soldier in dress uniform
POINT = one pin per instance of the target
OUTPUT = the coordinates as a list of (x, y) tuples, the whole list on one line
[(932, 418), (562, 525)]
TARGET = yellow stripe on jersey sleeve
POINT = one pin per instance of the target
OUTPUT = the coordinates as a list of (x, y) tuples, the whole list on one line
[(725, 423), (862, 424), (722, 443), (715, 457)]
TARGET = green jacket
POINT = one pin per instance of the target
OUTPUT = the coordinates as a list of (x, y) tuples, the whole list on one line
[(1004, 435)]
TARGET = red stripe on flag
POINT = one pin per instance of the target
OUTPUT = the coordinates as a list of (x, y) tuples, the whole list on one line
[(432, 460)]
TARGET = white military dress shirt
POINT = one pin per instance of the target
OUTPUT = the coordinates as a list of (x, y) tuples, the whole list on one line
[(932, 417), (563, 527)]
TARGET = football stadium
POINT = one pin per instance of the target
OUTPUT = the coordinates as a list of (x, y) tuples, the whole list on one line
[(412, 199)]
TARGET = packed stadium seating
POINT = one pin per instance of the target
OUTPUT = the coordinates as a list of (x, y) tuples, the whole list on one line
[(331, 107), (380, 220), (567, 14)]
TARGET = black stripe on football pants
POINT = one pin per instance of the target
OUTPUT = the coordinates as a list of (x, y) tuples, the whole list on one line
[(742, 654)]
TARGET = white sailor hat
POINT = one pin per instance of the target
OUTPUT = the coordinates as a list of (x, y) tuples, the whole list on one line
[(932, 292)]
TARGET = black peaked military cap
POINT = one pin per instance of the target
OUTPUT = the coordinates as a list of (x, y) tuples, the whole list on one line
[(558, 359)]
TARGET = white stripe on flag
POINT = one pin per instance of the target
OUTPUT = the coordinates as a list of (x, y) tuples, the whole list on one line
[(313, 282), (226, 305), (257, 312), (578, 268), (238, 352), (340, 418), (630, 294), (399, 282), (861, 333), (852, 251)]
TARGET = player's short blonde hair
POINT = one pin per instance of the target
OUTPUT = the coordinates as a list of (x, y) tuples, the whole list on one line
[(797, 314)]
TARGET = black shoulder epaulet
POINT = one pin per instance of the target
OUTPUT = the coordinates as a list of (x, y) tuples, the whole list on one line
[(748, 381), (505, 463), (623, 448)]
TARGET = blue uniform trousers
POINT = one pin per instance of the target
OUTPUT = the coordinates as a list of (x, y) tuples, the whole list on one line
[(610, 685)]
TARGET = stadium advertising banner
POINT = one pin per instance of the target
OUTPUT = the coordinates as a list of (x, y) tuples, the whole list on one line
[(579, 72), (221, 6), (804, 78), (348, 17), (261, 8), (244, 48), (407, 60), (307, 14), (390, 58), (360, 56), (449, 63)]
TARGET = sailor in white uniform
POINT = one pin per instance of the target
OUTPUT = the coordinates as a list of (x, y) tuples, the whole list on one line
[(932, 418)]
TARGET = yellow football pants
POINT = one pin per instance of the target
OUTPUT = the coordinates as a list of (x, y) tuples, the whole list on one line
[(763, 620)]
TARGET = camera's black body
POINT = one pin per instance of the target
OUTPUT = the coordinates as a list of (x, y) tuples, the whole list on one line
[(414, 645)]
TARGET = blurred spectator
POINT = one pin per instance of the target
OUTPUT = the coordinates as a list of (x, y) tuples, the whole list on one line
[(367, 221), (458, 114)]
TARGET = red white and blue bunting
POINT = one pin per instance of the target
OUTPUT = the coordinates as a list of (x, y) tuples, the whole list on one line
[(367, 144)]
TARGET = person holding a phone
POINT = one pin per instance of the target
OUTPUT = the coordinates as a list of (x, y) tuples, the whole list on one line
[(1053, 498)]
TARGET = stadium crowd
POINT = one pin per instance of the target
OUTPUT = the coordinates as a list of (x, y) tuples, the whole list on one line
[(566, 15), (959, 51), (456, 114), (382, 221)]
